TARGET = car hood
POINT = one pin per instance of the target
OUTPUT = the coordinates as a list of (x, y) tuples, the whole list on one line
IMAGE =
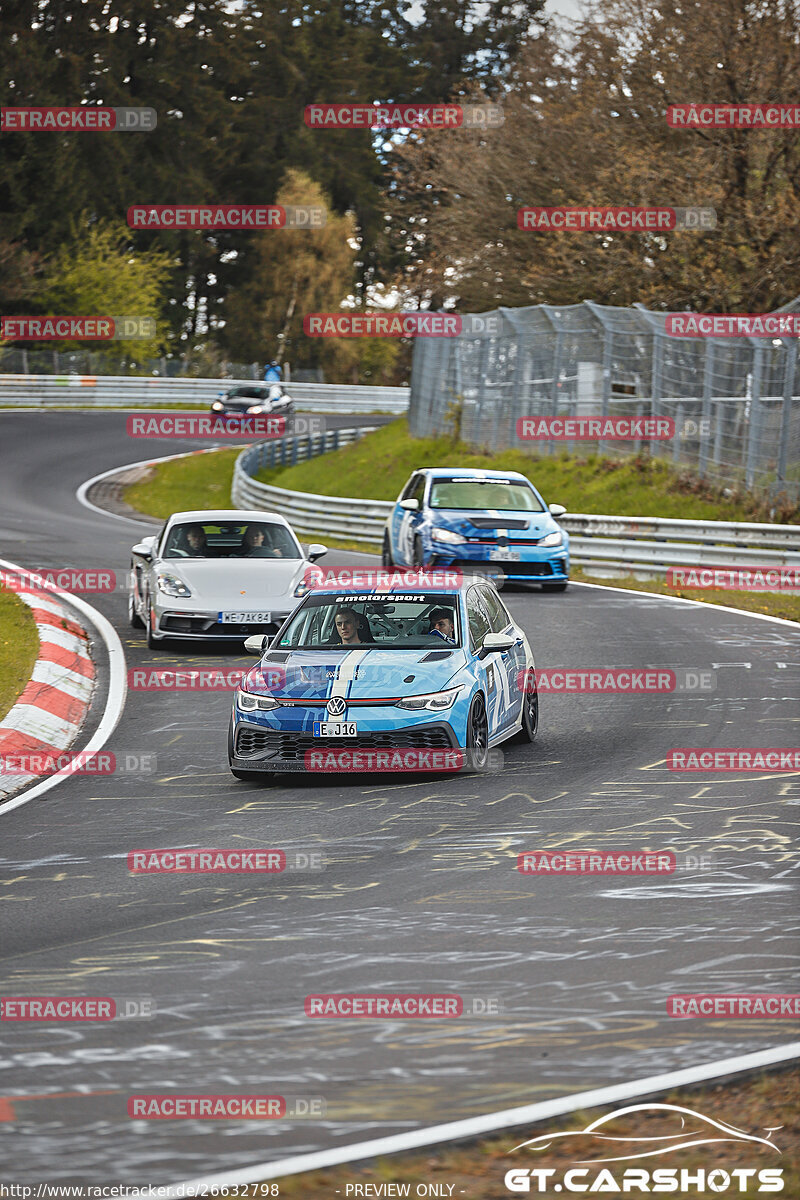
[(364, 673), (519, 524), (238, 582)]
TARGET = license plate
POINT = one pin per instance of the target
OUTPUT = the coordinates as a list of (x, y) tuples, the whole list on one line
[(244, 618), (334, 729), (503, 555)]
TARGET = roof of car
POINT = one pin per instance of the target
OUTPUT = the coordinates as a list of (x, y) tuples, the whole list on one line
[(229, 514), (470, 473)]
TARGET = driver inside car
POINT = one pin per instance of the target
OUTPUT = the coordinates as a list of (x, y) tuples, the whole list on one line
[(256, 544), (441, 624)]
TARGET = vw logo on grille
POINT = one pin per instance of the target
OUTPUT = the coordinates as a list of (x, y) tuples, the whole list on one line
[(336, 706)]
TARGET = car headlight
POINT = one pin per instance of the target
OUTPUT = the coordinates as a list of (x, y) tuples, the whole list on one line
[(552, 539), (447, 535), (217, 406), (249, 703), (254, 409), (170, 585), (433, 700)]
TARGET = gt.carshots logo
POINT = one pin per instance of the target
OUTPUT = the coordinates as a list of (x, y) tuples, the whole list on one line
[(669, 1128)]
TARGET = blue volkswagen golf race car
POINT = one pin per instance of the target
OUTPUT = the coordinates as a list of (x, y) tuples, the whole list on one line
[(494, 522), (385, 677)]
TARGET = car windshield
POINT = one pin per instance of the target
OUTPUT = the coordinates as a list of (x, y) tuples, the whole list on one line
[(391, 621), (234, 539), (505, 495), (248, 393)]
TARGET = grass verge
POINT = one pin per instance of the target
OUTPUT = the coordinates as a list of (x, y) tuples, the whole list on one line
[(19, 648), (476, 1171), (377, 466)]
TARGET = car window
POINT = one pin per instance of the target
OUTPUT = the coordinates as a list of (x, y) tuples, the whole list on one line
[(498, 617), (478, 620), (418, 490), (408, 490), (424, 621), (479, 495)]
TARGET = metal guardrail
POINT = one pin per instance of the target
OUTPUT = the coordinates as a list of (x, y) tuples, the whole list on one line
[(140, 392), (645, 545)]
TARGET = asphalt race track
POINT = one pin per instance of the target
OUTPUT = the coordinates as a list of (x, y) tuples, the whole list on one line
[(419, 893)]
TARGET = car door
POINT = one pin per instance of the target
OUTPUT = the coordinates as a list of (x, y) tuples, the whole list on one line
[(492, 668), (514, 661), (405, 523)]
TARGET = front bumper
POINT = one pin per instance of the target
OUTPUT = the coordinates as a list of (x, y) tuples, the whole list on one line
[(204, 626), (261, 747), (541, 567)]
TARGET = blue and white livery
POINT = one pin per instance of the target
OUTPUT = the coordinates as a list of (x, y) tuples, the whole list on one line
[(392, 668), (490, 521)]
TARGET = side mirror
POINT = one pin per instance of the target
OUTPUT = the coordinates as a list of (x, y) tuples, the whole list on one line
[(256, 643), (495, 643), (315, 551), (411, 505), (557, 510), (144, 550)]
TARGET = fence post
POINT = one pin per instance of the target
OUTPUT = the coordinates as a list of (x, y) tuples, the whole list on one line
[(754, 426), (790, 350), (655, 387), (608, 348), (705, 416)]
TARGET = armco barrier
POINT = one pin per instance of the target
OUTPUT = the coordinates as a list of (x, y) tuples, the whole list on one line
[(644, 545), (137, 392)]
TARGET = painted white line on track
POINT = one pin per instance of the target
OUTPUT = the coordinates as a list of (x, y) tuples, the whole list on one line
[(81, 492), (489, 1123), (115, 700), (737, 612)]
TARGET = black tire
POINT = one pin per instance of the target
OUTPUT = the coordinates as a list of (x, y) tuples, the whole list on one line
[(134, 620), (561, 586), (478, 734), (530, 717), (386, 552), (418, 557)]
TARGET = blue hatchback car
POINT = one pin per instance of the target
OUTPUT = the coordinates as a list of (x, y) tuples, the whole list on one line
[(494, 522), (393, 672)]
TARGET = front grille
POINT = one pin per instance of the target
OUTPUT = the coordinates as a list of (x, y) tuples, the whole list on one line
[(172, 623), (491, 566), (281, 746)]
